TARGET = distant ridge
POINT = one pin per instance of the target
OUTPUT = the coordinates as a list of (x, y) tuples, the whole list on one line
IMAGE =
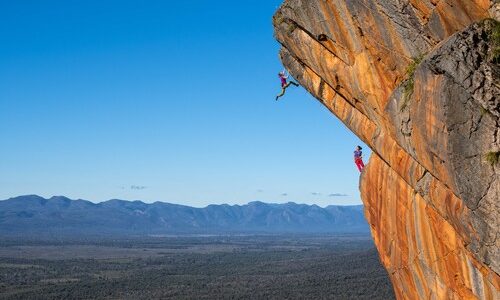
[(33, 215)]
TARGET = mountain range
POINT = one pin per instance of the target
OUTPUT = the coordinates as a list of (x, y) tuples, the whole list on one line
[(32, 215)]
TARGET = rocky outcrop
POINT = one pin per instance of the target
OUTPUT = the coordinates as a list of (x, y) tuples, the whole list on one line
[(417, 81)]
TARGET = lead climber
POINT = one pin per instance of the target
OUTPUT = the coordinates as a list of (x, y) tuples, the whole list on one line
[(358, 158), (284, 84)]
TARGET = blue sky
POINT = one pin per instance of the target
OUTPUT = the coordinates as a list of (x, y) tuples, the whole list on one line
[(160, 101)]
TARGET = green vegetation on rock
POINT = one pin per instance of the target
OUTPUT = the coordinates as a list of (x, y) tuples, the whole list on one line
[(492, 157), (409, 84), (495, 40)]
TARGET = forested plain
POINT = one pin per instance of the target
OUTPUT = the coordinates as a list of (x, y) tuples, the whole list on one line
[(195, 267)]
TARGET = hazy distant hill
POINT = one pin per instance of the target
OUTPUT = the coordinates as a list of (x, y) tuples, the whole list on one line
[(34, 215)]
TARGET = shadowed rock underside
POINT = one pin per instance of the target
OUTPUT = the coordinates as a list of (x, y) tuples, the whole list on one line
[(417, 81)]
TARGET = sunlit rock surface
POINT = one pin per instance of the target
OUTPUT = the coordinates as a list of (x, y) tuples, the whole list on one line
[(417, 81)]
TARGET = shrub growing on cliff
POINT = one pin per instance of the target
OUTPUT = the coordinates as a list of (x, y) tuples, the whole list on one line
[(492, 157), (410, 70), (410, 81), (495, 36), (407, 91)]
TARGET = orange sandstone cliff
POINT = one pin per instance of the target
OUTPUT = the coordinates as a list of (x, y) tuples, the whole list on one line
[(418, 82)]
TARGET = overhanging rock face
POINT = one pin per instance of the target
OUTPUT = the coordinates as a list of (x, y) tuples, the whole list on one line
[(417, 81)]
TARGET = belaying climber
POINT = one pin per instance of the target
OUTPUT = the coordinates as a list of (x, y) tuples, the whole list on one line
[(284, 84), (358, 158)]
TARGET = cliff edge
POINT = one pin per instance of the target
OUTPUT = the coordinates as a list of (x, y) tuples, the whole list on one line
[(417, 81)]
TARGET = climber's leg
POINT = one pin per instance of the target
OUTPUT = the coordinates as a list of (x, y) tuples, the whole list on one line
[(283, 90), (360, 164), (284, 87)]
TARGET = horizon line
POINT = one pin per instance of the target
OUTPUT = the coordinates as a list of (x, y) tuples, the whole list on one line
[(164, 202)]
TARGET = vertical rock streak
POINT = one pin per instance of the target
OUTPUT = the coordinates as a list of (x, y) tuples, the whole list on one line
[(417, 81)]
